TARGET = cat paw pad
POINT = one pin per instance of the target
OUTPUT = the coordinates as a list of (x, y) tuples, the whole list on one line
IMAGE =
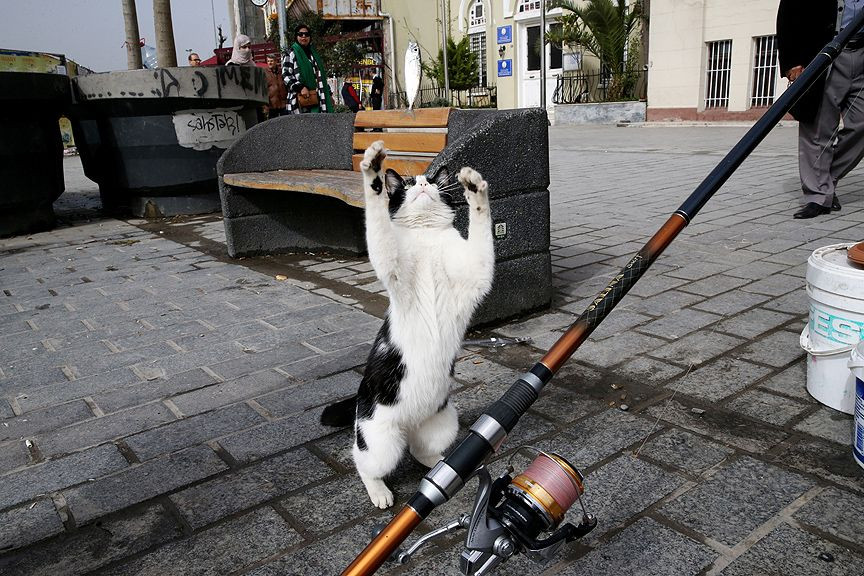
[(475, 186), (373, 157)]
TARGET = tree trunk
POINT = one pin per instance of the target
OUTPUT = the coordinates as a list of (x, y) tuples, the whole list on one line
[(232, 20), (646, 62), (133, 39), (166, 53)]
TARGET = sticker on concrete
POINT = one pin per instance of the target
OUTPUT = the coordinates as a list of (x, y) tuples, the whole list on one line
[(203, 129)]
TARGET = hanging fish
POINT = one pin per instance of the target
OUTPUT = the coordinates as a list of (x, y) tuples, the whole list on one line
[(412, 73)]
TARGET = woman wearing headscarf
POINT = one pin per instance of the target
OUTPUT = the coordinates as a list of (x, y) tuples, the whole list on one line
[(303, 72), (241, 55)]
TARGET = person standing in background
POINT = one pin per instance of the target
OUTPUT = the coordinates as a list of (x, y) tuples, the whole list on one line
[(803, 28), (194, 59), (305, 76), (241, 55), (277, 92), (377, 95), (350, 97)]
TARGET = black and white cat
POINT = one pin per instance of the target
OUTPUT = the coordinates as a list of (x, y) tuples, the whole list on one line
[(435, 280)]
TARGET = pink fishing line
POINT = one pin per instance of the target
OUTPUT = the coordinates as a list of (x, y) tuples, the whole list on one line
[(546, 472)]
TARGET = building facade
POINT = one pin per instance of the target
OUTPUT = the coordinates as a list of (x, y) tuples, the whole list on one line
[(505, 34), (706, 59), (712, 59)]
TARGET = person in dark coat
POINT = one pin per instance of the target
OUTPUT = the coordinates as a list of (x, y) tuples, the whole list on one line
[(803, 29), (349, 96), (377, 94)]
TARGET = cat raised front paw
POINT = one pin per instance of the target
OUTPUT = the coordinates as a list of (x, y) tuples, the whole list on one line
[(373, 157), (476, 188)]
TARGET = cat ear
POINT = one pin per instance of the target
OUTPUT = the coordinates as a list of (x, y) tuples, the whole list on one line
[(393, 181), (441, 177)]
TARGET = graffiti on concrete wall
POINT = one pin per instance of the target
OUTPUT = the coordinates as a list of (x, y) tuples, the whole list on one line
[(203, 129), (234, 82), (203, 84)]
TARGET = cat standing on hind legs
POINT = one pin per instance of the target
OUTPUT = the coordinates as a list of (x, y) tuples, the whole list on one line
[(435, 279)]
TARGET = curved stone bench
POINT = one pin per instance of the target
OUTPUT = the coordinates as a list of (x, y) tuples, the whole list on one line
[(290, 184)]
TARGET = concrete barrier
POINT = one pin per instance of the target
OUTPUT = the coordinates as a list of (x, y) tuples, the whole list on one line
[(151, 138), (31, 149)]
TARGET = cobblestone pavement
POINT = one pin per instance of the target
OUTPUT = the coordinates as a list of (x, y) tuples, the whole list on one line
[(160, 401)]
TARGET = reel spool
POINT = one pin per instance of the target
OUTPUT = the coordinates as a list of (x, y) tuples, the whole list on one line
[(537, 500), (510, 514)]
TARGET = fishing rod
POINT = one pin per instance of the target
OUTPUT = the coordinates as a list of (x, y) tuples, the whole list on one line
[(510, 514)]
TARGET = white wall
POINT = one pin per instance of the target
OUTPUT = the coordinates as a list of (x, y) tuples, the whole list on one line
[(679, 30)]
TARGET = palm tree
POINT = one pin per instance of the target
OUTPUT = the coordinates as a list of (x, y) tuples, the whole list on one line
[(606, 28)]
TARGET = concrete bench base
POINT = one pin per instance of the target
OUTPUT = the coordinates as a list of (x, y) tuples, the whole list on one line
[(293, 223)]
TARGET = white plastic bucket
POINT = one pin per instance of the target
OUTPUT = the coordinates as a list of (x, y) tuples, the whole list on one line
[(835, 327), (856, 366)]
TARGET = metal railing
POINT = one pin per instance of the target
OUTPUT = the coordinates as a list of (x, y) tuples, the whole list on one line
[(597, 86), (436, 96)]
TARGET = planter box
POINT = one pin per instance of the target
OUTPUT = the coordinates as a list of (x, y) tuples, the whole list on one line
[(599, 113), (31, 149), (151, 138)]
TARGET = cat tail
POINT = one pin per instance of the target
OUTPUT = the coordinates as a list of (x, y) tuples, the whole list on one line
[(340, 414)]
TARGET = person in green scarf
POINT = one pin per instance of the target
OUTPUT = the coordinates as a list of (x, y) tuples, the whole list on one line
[(303, 71)]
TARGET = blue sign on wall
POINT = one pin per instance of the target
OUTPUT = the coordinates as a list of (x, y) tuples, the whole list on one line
[(505, 68), (505, 34)]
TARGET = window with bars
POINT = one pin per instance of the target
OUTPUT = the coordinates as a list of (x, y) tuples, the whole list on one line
[(529, 6), (476, 15), (718, 70), (478, 46), (764, 71)]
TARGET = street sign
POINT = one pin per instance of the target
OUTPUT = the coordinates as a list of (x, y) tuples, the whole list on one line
[(505, 34), (505, 68)]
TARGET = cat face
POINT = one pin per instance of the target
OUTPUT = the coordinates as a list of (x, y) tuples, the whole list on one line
[(420, 200)]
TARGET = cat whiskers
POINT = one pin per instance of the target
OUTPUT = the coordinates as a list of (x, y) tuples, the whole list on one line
[(448, 188)]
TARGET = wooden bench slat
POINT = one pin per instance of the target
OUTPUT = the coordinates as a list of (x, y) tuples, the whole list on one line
[(403, 141), (422, 118), (405, 165), (344, 185)]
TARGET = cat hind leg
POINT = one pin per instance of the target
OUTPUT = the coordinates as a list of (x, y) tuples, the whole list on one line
[(434, 435), (378, 447)]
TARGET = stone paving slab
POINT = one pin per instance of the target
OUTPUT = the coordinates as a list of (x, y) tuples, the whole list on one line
[(736, 500), (643, 544), (159, 401), (237, 544), (223, 496), (92, 547), (787, 550)]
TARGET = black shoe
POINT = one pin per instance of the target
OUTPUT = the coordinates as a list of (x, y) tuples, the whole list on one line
[(835, 204), (811, 210)]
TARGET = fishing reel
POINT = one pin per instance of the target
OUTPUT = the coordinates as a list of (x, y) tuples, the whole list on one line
[(511, 514)]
